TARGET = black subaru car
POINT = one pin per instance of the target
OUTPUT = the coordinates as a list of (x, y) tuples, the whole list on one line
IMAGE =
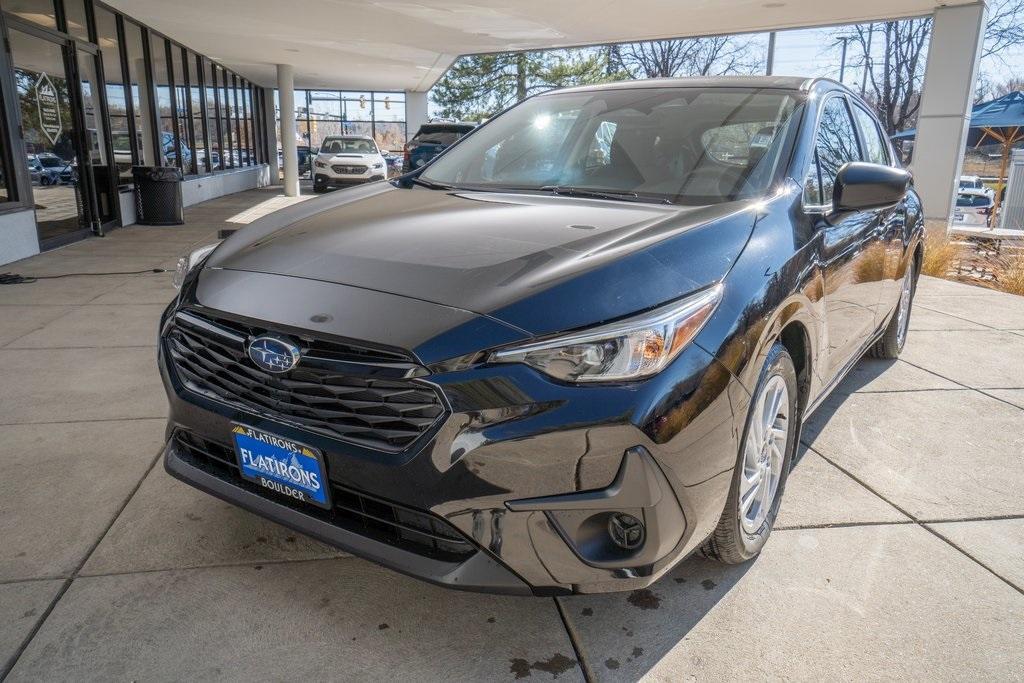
[(570, 351)]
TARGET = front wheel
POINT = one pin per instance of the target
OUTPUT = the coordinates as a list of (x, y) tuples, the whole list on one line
[(766, 453), (895, 336)]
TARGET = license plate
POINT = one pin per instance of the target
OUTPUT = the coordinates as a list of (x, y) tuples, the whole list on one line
[(958, 217), (282, 465)]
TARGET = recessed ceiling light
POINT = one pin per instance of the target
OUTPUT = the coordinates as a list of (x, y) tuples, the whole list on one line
[(291, 49)]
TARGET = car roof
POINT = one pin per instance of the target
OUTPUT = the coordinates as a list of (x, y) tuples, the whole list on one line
[(347, 137), (778, 82), (972, 190)]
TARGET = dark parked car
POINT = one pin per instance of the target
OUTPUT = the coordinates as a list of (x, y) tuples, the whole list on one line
[(570, 352), (432, 139)]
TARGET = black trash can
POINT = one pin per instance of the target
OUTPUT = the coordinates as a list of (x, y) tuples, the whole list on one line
[(158, 195)]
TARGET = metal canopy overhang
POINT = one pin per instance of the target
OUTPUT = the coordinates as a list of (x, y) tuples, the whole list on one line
[(408, 44)]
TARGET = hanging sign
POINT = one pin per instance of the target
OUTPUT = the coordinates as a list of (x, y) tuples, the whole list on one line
[(48, 105)]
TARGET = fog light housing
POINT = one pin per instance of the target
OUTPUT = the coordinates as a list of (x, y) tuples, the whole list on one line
[(626, 531)]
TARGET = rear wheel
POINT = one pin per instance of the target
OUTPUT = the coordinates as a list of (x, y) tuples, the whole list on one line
[(766, 453), (895, 337), (319, 187)]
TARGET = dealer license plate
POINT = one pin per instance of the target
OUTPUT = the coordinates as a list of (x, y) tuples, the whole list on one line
[(282, 465)]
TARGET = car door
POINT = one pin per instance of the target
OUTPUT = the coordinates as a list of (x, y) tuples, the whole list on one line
[(891, 222), (851, 256)]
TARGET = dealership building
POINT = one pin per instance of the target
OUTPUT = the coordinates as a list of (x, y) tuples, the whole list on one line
[(92, 89)]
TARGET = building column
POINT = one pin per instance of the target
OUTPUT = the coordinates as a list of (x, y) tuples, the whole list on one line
[(946, 97), (270, 133), (415, 111), (289, 150)]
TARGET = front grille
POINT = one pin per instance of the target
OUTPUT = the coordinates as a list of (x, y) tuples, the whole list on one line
[(348, 169), (339, 390), (413, 530)]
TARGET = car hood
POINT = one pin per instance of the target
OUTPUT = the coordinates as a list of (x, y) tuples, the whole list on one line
[(538, 262), (347, 158)]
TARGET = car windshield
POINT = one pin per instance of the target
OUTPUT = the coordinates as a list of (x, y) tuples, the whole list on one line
[(348, 146), (970, 199), (682, 145), (51, 162)]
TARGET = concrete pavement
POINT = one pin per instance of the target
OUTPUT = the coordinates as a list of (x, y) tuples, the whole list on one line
[(899, 553)]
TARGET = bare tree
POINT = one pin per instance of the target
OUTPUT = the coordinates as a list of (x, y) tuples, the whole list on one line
[(714, 56), (893, 54)]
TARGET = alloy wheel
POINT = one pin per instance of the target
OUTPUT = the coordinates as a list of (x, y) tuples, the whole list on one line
[(903, 313), (763, 453)]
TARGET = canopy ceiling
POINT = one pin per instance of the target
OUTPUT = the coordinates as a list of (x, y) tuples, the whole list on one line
[(408, 44)]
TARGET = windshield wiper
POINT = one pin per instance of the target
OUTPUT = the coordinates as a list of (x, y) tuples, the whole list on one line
[(622, 196), (431, 184)]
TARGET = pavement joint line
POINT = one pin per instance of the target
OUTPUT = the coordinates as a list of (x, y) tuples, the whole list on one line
[(937, 520), (981, 391), (918, 522), (13, 660), (577, 647), (36, 329), (958, 317)]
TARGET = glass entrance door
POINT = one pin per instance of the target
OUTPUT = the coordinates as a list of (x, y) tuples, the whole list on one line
[(52, 141), (97, 151)]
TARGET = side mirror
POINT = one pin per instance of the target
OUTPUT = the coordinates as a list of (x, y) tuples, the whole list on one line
[(861, 186)]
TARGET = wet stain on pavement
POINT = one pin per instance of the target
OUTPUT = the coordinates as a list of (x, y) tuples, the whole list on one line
[(381, 627), (612, 663), (644, 599), (491, 620), (679, 579), (708, 584), (555, 665), (587, 612)]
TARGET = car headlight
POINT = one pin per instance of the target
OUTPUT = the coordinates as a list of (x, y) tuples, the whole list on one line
[(378, 165), (189, 261), (622, 351), (320, 164)]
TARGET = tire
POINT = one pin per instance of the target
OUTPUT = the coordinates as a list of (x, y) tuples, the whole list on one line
[(895, 336), (319, 189), (743, 531)]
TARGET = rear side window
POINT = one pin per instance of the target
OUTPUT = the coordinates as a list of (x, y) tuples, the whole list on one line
[(438, 136), (874, 146), (836, 145)]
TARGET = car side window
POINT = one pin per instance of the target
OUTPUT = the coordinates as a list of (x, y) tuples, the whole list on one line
[(836, 145), (874, 145)]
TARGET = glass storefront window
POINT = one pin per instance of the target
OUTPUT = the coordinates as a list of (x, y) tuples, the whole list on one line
[(136, 67), (182, 103), (198, 123), (212, 125), (74, 17), (37, 11), (358, 106), (388, 106), (117, 106), (226, 116), (165, 113)]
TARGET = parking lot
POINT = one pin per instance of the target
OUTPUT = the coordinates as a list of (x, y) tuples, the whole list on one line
[(899, 551)]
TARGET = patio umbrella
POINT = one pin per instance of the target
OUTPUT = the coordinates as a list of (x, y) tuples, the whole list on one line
[(1000, 120)]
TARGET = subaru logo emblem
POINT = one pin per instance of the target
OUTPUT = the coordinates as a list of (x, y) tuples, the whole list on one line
[(273, 354)]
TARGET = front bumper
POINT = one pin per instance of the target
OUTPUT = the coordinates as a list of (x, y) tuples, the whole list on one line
[(527, 470), (330, 179)]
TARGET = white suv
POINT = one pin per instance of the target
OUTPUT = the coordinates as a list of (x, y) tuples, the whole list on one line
[(347, 160)]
